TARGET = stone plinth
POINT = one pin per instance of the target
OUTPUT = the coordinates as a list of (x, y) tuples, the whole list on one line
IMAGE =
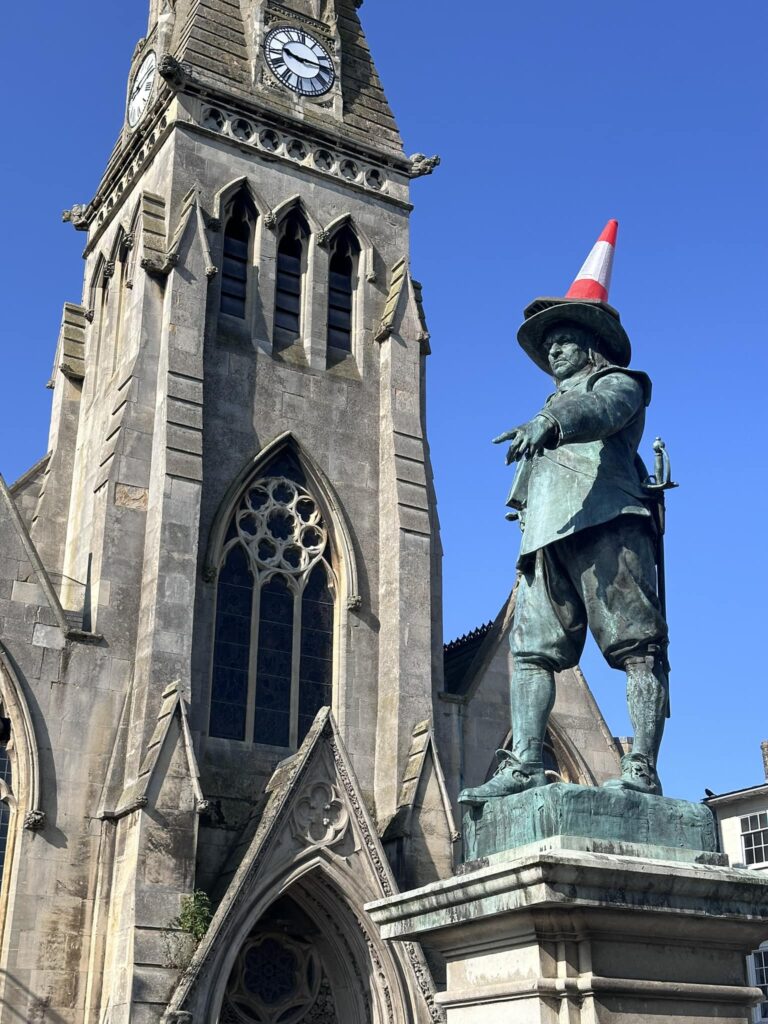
[(615, 815), (557, 935)]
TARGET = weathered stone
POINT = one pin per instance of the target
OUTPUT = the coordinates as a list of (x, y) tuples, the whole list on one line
[(558, 935)]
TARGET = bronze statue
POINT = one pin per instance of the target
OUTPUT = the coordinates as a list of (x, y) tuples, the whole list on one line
[(589, 551)]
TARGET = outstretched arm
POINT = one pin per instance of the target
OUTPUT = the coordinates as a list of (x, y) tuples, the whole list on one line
[(615, 399), (530, 438)]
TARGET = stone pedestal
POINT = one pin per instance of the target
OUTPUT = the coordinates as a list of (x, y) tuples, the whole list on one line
[(548, 934)]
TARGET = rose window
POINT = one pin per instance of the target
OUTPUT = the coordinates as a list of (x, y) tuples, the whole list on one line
[(277, 979), (281, 526)]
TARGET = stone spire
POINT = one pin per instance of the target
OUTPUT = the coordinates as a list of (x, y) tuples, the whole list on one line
[(219, 45), (764, 749)]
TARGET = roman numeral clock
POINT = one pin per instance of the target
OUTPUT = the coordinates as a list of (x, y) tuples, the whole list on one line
[(299, 61)]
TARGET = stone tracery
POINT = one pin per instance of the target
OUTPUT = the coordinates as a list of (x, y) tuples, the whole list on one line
[(273, 650), (278, 976)]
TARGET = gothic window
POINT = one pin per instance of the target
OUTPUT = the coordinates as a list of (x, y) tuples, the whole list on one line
[(99, 305), (278, 977), (6, 789), (123, 257), (273, 643), (238, 232), (345, 253), (291, 265)]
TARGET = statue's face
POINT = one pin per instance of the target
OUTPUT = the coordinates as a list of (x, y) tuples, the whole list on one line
[(569, 351)]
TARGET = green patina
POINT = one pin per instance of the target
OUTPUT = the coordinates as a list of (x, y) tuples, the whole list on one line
[(609, 815), (591, 551)]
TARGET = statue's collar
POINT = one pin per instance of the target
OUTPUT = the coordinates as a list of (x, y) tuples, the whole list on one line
[(576, 379)]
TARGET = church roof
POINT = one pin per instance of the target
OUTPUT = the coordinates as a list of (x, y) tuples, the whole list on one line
[(458, 656)]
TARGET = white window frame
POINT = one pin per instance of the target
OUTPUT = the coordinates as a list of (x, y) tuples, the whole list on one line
[(761, 826)]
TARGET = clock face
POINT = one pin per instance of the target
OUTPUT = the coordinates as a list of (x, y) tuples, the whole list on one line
[(299, 61), (141, 89)]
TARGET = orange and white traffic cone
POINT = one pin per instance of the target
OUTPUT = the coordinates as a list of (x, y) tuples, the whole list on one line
[(594, 278)]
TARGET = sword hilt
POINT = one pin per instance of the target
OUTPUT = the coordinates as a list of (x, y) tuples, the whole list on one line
[(662, 469)]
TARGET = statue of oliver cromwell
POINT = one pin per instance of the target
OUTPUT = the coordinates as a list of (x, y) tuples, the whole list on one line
[(588, 557)]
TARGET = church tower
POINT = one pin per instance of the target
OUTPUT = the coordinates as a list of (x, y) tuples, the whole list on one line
[(229, 559)]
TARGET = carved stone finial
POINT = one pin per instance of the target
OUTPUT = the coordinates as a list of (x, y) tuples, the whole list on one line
[(173, 71), (34, 821), (323, 238), (422, 164), (76, 216), (270, 220)]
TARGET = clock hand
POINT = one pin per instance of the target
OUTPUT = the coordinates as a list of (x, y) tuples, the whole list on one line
[(302, 60)]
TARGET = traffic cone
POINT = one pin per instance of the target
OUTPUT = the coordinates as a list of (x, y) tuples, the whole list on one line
[(594, 278)]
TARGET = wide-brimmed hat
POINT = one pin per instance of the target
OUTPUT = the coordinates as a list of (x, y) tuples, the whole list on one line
[(584, 304)]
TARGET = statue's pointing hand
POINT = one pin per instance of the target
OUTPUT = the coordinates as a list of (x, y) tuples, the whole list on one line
[(529, 439)]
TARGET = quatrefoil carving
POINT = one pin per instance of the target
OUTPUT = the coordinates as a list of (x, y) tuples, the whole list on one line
[(320, 817)]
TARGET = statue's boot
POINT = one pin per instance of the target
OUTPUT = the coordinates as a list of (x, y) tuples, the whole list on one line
[(647, 699), (511, 776), (638, 773)]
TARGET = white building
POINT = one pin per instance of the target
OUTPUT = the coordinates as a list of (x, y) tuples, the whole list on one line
[(742, 818)]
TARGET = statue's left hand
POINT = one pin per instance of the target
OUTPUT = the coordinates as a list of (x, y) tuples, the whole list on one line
[(527, 440)]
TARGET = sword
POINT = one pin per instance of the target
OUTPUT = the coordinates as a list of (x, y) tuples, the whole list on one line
[(656, 484)]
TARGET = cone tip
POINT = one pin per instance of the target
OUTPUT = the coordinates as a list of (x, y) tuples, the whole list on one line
[(609, 232)]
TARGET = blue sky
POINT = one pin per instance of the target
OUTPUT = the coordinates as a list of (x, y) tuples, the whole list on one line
[(551, 117)]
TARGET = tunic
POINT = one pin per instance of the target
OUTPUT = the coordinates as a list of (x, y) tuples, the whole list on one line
[(592, 474)]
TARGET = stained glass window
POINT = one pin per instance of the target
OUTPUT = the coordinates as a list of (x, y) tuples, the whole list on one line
[(273, 645), (279, 976), (345, 250), (272, 721), (316, 668), (231, 652)]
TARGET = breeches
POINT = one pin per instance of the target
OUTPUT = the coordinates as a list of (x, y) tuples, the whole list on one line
[(603, 578)]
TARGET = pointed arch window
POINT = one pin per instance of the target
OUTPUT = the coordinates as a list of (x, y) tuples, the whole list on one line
[(6, 790), (342, 281), (289, 279), (238, 236), (99, 306), (123, 254), (280, 973), (275, 612)]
